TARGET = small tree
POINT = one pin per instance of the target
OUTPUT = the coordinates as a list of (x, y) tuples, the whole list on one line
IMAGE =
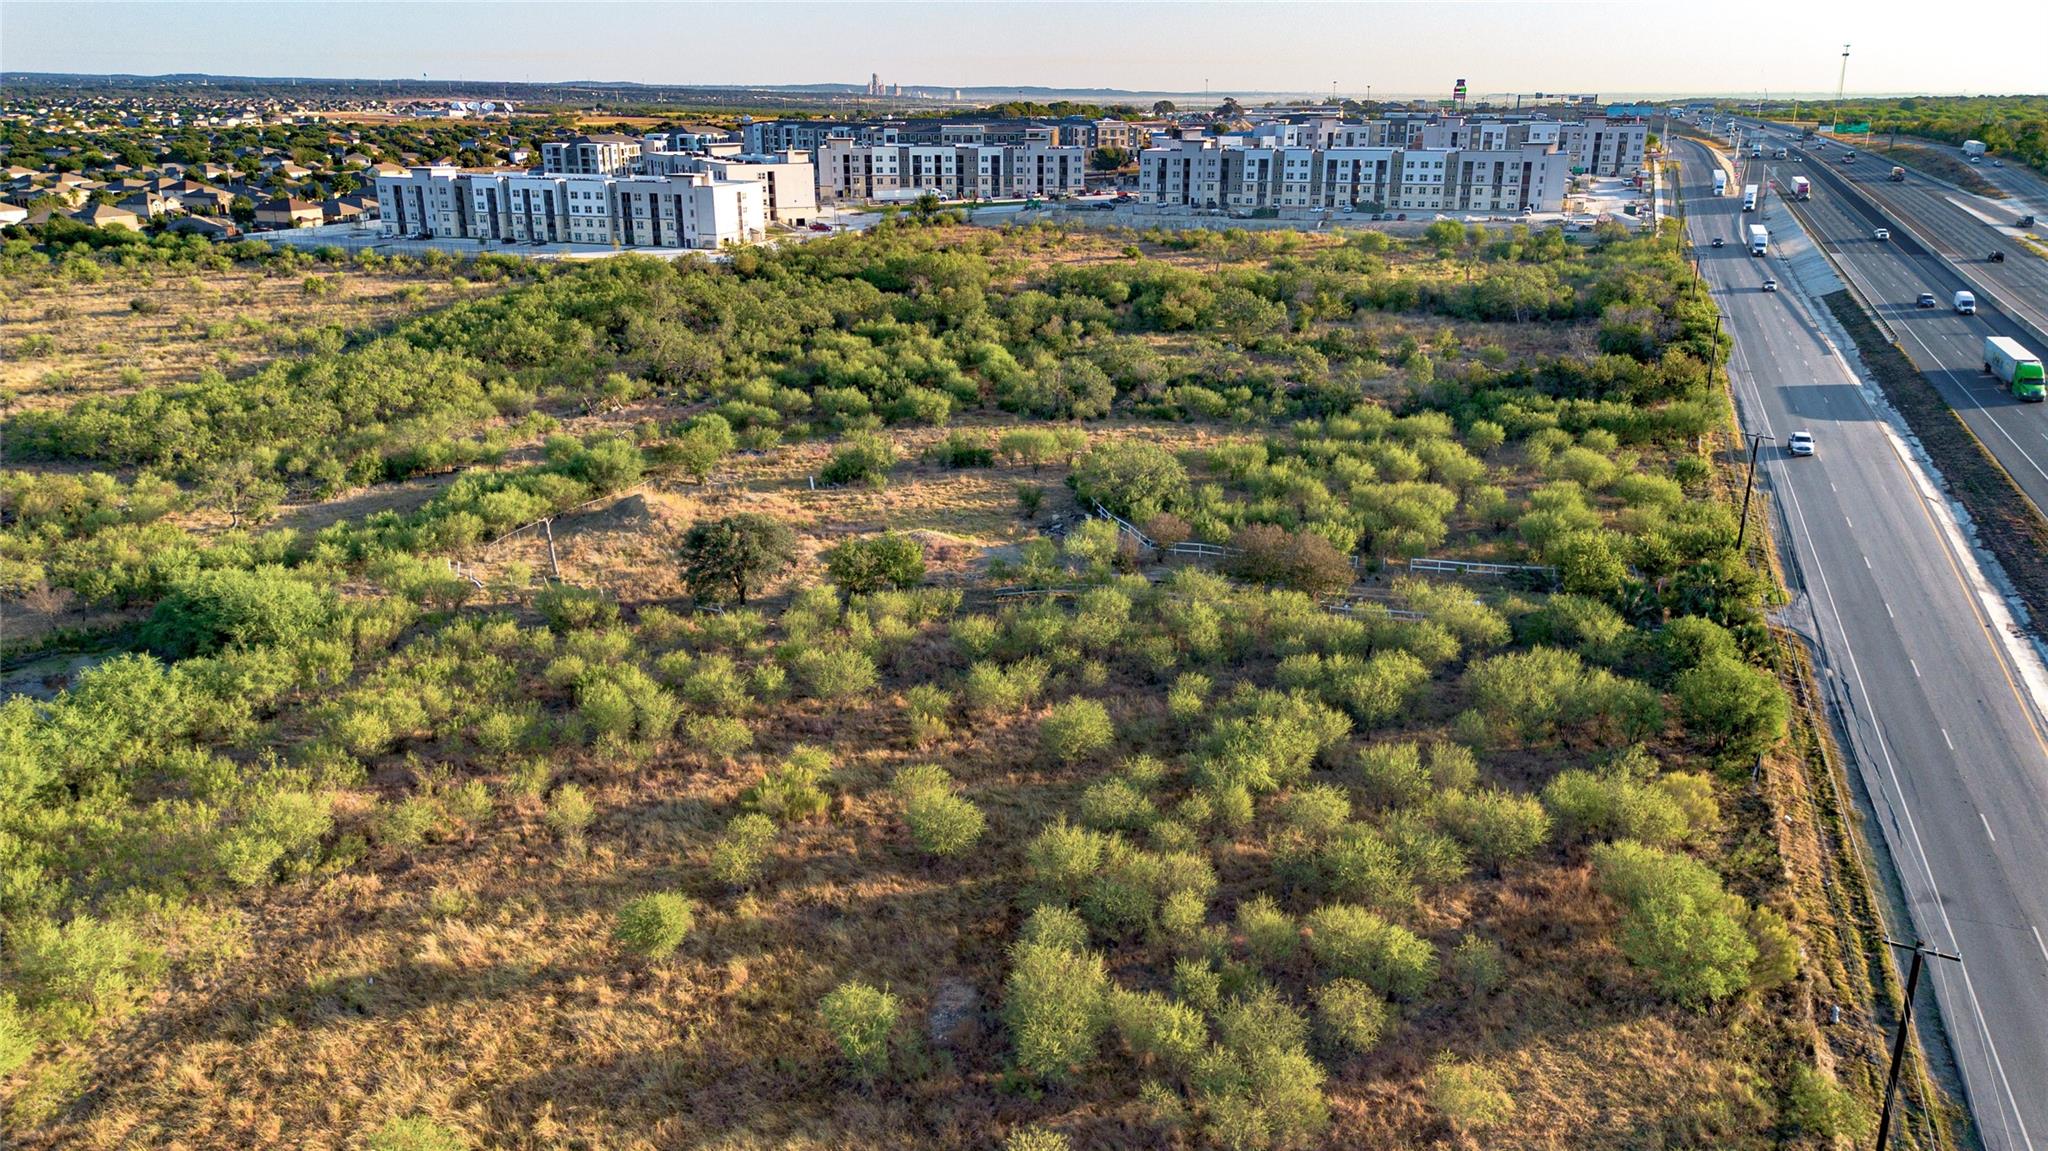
[(730, 558), (863, 459), (861, 1018), (869, 565)]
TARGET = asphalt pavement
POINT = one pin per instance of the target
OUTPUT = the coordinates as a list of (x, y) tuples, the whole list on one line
[(1935, 700)]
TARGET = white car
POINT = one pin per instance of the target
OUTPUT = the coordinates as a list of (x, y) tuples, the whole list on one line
[(1881, 234), (1770, 285), (1801, 444)]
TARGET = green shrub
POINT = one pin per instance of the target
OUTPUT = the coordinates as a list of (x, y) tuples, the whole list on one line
[(1051, 925), (1613, 805), (17, 1037), (567, 608), (227, 608), (569, 811), (1393, 775), (86, 970), (793, 790), (1116, 804), (1677, 923), (862, 459), (993, 691), (1075, 729), (861, 1018), (655, 925), (876, 563), (942, 823), (1270, 934), (1037, 1139), (1478, 966), (1738, 708), (1353, 1015), (740, 854), (928, 706), (279, 834), (417, 1133), (1469, 1096), (1155, 1029), (1498, 827), (1818, 1107), (718, 736), (1061, 860), (407, 823), (1353, 943), (1055, 1005), (1133, 478), (1189, 696), (833, 673)]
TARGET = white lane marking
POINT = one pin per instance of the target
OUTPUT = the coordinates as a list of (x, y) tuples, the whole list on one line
[(2037, 940), (1987, 826), (2010, 1112), (1916, 667), (1866, 562), (1945, 739), (1888, 610), (1850, 522)]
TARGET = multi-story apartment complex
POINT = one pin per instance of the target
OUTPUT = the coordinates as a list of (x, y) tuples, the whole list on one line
[(1236, 174), (849, 170), (789, 180), (676, 210), (590, 155), (1606, 147)]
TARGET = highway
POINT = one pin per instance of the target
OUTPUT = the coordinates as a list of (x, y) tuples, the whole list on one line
[(1946, 347), (1935, 709)]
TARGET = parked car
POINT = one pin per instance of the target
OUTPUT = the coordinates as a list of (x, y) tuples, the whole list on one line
[(1770, 284), (1926, 300), (1881, 234), (1801, 443), (1718, 242), (821, 227), (1401, 216)]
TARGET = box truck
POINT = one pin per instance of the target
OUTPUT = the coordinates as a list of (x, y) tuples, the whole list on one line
[(1759, 239), (1749, 197), (2015, 366), (1720, 182), (1973, 147), (1965, 304), (1802, 188)]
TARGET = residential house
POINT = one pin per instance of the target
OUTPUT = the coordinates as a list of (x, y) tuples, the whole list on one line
[(285, 212)]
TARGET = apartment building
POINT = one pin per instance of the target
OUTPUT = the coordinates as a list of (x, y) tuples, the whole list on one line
[(850, 171), (1235, 174), (674, 210), (1606, 147), (608, 155), (789, 180)]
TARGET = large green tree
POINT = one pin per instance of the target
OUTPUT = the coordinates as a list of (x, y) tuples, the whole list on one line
[(728, 559)]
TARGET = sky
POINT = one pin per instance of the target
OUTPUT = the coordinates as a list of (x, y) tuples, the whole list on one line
[(1399, 49)]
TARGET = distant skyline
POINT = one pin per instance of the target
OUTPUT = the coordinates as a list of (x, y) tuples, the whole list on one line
[(1397, 49)]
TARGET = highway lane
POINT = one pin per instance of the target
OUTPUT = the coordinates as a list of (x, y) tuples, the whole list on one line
[(1948, 348), (1936, 711)]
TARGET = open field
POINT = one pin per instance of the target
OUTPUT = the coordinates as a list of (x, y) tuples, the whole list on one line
[(782, 818)]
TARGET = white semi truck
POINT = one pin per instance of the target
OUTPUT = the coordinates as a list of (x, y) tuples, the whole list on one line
[(1749, 197), (1720, 183), (1759, 239)]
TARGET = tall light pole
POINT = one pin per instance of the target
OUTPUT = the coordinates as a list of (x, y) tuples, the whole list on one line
[(1841, 82)]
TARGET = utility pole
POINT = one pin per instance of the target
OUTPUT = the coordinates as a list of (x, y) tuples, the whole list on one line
[(1756, 443), (1891, 1083)]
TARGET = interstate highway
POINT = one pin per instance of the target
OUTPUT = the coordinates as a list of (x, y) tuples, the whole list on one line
[(1946, 347), (1937, 712)]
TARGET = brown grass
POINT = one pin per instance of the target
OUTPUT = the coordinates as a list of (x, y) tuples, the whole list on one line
[(231, 320)]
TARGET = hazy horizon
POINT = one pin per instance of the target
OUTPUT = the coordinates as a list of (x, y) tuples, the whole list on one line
[(1399, 50)]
